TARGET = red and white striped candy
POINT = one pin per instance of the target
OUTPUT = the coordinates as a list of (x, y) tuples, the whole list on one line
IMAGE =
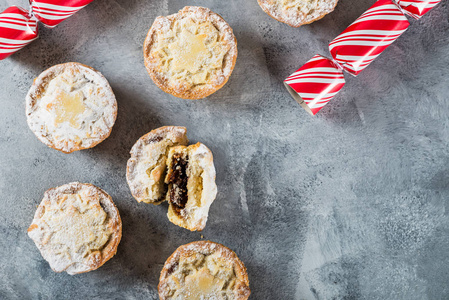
[(368, 36), (417, 8), (53, 12), (316, 83), (17, 29)]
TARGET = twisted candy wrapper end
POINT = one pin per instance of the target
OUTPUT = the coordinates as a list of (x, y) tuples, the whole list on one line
[(316, 83), (365, 39), (417, 8), (53, 12), (18, 27)]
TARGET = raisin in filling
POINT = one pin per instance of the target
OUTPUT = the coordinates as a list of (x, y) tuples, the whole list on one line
[(155, 139), (178, 180)]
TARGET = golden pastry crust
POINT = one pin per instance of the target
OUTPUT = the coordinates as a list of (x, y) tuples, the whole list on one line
[(190, 54), (77, 228), (296, 13), (146, 169), (71, 107), (204, 270), (191, 185)]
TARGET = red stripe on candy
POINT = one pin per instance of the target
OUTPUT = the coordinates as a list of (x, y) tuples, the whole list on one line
[(17, 29), (315, 84)]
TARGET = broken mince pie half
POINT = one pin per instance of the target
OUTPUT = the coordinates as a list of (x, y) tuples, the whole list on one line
[(191, 185), (146, 168), (163, 168)]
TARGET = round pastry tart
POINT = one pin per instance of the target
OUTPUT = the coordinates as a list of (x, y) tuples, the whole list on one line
[(190, 54), (204, 270), (77, 228), (163, 168), (297, 12), (71, 107)]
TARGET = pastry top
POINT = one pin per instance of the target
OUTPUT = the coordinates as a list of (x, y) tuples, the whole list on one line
[(190, 54), (297, 12), (192, 188), (204, 270), (77, 228), (146, 168), (71, 107)]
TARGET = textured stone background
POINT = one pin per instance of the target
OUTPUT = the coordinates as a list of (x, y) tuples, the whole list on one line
[(351, 204)]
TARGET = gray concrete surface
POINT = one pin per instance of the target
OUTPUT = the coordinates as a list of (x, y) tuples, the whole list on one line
[(351, 204)]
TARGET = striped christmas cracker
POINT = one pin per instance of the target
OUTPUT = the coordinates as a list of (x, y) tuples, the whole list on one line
[(53, 12), (17, 29), (320, 79), (316, 83), (365, 39)]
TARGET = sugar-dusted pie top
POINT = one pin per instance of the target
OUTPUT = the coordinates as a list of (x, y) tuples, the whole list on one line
[(76, 227), (204, 270), (297, 12), (71, 107), (190, 54)]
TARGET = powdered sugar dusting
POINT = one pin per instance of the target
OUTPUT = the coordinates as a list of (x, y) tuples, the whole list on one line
[(190, 54), (204, 270), (71, 107), (76, 227), (297, 12)]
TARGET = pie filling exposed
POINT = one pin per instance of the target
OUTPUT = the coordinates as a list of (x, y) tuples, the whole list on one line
[(178, 182)]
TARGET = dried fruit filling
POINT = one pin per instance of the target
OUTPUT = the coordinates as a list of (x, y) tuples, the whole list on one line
[(178, 180)]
